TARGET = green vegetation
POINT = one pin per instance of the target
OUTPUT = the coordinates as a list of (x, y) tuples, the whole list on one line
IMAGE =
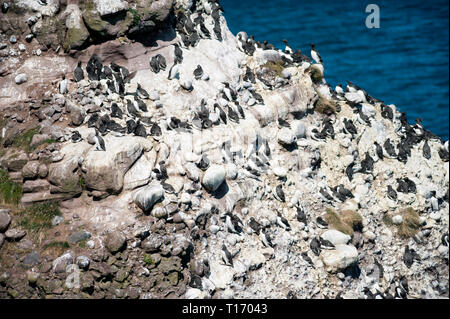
[(324, 106), (38, 216), (10, 192), (136, 17), (316, 74), (387, 220), (148, 260), (82, 183), (411, 223), (57, 244), (275, 67), (24, 140), (346, 221)]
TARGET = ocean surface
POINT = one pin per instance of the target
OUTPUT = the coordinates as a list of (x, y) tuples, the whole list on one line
[(405, 62)]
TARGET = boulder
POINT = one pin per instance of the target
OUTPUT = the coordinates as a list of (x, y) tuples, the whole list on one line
[(214, 177), (15, 234), (336, 237), (60, 263), (5, 220), (35, 186), (65, 175), (115, 241), (105, 170), (30, 170), (339, 258), (286, 136), (139, 174), (147, 196), (221, 275), (77, 33), (21, 78)]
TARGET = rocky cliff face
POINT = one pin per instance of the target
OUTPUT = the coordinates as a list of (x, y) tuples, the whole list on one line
[(187, 162)]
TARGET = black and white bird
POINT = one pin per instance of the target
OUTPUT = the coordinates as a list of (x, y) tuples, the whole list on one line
[(306, 258), (350, 127), (283, 222), (301, 216), (198, 72), (265, 238), (116, 111), (378, 151), (173, 72), (234, 223), (254, 225), (155, 130), (99, 142), (222, 114), (391, 193), (339, 90), (315, 54), (287, 49), (232, 115), (283, 123), (444, 239), (141, 92), (131, 109), (78, 73), (226, 256), (325, 196), (279, 193), (315, 246), (154, 64), (326, 244), (426, 151), (389, 148), (76, 137), (321, 223), (63, 85), (178, 54)]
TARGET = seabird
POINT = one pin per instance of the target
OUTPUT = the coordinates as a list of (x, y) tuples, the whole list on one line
[(116, 111), (265, 238), (232, 115), (99, 142), (321, 223), (140, 129), (378, 150), (288, 49), (173, 72), (178, 54), (283, 123), (131, 110), (283, 222), (154, 64), (338, 89), (233, 223), (349, 171), (155, 130), (254, 225), (409, 256), (301, 216), (444, 239), (325, 195), (240, 110), (5, 7), (198, 72), (63, 85), (315, 246), (167, 187), (350, 127), (141, 104), (315, 54), (426, 151), (325, 244), (279, 193), (389, 148), (76, 137), (78, 73), (131, 126), (141, 92), (367, 164), (307, 258), (222, 114), (391, 193), (226, 256)]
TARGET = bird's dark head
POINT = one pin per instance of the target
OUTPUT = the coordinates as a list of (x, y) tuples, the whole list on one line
[(63, 76), (285, 41), (312, 45), (79, 64)]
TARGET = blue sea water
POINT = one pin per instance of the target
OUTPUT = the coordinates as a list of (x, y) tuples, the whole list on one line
[(405, 62)]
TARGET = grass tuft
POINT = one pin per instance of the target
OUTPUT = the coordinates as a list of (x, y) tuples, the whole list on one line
[(347, 221), (148, 260), (324, 106), (316, 74), (24, 140), (38, 216), (10, 192), (411, 223), (275, 67), (57, 244)]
